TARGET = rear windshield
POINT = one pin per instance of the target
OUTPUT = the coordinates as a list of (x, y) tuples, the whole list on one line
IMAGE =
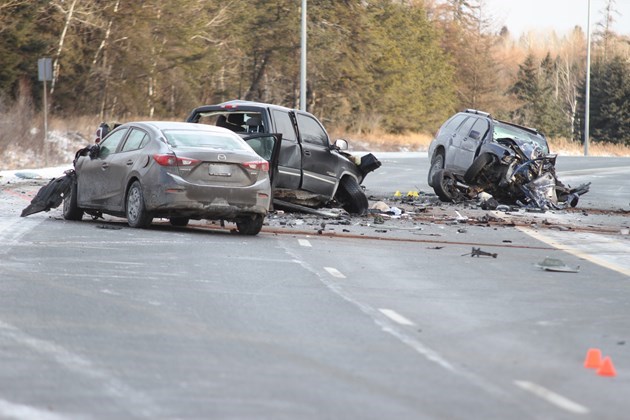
[(196, 138), (237, 121), (508, 131)]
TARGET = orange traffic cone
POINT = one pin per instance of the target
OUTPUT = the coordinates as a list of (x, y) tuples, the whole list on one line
[(607, 368), (593, 359)]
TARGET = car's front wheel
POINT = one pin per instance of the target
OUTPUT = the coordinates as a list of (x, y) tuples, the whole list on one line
[(437, 163), (71, 210), (137, 214), (351, 196), (250, 225)]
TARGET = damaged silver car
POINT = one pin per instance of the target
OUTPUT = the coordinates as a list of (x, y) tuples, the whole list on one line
[(473, 153), (173, 170)]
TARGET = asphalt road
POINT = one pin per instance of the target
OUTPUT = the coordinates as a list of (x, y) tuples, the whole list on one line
[(315, 318)]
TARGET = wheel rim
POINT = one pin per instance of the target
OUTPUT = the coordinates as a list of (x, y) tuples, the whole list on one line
[(133, 204), (438, 163)]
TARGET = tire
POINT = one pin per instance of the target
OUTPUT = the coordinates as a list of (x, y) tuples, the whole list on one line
[(477, 166), (250, 225), (444, 186), (351, 196), (437, 163), (179, 221), (137, 214), (71, 210)]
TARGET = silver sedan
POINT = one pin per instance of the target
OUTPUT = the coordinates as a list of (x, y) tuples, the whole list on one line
[(174, 170)]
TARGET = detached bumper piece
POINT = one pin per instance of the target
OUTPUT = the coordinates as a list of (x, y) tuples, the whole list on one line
[(51, 195)]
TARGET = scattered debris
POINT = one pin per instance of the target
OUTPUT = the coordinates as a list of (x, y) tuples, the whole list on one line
[(50, 195), (109, 227), (477, 252), (28, 175), (556, 265)]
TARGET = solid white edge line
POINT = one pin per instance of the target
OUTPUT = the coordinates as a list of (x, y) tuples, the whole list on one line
[(334, 272), (304, 242), (552, 397), (396, 317)]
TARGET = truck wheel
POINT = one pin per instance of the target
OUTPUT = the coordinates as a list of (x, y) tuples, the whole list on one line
[(477, 166), (351, 196), (71, 210), (445, 186), (250, 225), (137, 214), (437, 163)]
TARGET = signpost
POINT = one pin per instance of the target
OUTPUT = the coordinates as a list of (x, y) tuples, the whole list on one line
[(44, 74)]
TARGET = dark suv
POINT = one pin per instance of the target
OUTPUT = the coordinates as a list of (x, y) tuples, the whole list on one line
[(473, 152), (309, 169)]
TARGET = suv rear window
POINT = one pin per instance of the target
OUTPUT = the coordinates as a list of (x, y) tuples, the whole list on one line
[(452, 124)]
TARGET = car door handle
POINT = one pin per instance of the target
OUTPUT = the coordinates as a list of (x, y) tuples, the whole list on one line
[(104, 165), (307, 152), (129, 162)]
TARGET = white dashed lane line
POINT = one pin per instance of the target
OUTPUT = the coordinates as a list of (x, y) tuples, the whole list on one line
[(553, 398), (396, 317), (304, 242), (334, 272)]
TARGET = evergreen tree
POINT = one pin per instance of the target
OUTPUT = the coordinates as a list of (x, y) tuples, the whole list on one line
[(610, 107)]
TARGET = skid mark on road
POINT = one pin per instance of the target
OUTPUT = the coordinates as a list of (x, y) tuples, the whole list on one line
[(604, 250)]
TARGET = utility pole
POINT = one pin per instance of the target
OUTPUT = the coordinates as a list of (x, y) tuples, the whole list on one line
[(303, 60), (44, 73), (587, 104)]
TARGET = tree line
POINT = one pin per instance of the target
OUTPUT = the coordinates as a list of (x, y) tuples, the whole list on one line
[(390, 65)]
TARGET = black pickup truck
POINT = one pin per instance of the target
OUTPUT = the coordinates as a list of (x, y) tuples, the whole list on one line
[(307, 169)]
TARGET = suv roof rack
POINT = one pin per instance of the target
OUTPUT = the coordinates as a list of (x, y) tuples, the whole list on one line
[(474, 111)]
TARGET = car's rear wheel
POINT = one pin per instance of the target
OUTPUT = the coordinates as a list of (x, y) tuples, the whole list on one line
[(445, 186), (437, 163), (351, 196), (179, 221), (137, 214), (250, 225), (477, 166), (71, 210)]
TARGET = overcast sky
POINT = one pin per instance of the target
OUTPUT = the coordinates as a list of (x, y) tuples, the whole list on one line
[(560, 15)]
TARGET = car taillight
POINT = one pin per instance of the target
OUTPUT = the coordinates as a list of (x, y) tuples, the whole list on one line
[(261, 165), (172, 160)]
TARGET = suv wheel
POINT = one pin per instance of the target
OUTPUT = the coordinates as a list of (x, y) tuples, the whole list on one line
[(477, 166), (445, 186)]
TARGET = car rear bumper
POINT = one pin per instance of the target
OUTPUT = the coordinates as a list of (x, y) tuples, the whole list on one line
[(177, 197)]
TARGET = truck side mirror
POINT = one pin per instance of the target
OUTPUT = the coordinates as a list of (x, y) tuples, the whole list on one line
[(341, 144)]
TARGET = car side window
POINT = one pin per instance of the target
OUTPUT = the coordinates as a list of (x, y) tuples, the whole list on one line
[(136, 140), (311, 131), (481, 127), (453, 123), (284, 125), (464, 129), (111, 142)]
